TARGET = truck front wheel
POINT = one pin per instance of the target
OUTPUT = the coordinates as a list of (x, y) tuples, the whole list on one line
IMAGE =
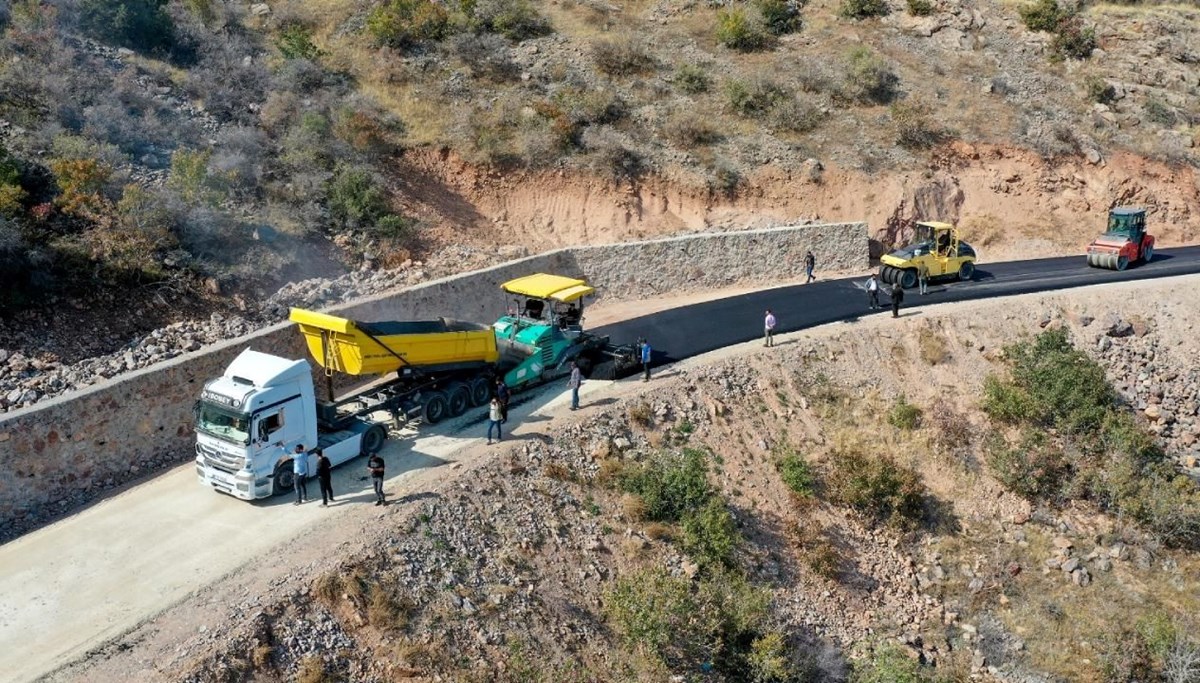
[(372, 440), (284, 479)]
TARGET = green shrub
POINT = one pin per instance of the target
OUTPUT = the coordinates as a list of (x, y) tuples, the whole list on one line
[(710, 535), (726, 178), (516, 20), (1042, 15), (402, 24), (82, 185), (780, 16), (673, 485), (889, 664), (12, 194), (862, 9), (690, 130), (796, 473), (1056, 385), (867, 78), (915, 127), (1034, 467), (1099, 90), (754, 99), (904, 415), (738, 31), (692, 79), (621, 57), (355, 198), (190, 177), (1073, 40), (142, 25), (1126, 657), (920, 8), (661, 616), (798, 117), (654, 611), (878, 487), (1158, 112), (295, 42)]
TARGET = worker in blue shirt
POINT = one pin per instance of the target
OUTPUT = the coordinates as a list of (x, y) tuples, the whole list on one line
[(646, 352)]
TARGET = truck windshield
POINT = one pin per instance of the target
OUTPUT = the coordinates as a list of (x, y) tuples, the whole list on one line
[(223, 423)]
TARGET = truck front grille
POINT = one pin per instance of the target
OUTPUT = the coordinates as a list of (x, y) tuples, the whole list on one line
[(222, 461)]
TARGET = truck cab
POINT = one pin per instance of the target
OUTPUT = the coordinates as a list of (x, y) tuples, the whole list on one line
[(260, 401)]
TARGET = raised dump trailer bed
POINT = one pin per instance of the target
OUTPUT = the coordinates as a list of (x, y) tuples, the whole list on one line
[(357, 348), (442, 367)]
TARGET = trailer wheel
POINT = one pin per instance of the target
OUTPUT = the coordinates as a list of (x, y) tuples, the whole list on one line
[(481, 391), (284, 480), (433, 407), (458, 399), (372, 440)]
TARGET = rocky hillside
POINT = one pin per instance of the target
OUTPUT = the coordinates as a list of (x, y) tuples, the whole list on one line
[(892, 502), (171, 156)]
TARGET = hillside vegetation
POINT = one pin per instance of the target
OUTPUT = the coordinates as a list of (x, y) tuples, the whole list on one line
[(234, 145)]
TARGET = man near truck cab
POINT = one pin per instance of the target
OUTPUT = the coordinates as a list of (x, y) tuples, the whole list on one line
[(300, 473), (376, 466)]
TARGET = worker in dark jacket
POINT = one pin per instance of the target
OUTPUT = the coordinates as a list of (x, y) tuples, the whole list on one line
[(503, 394), (897, 296), (325, 476)]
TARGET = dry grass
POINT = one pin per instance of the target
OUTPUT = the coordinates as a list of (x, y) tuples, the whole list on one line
[(559, 471), (932, 347), (312, 670), (659, 531), (260, 657), (633, 507), (328, 588), (609, 472), (641, 414)]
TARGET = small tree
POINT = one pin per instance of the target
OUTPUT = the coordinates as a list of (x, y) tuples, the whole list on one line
[(738, 31), (863, 9), (1042, 15), (142, 25), (404, 23)]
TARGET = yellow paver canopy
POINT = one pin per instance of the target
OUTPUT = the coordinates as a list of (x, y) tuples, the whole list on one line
[(544, 286)]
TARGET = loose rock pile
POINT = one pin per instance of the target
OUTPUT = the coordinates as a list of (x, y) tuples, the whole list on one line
[(1152, 380)]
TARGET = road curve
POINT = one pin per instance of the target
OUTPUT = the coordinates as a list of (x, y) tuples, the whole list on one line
[(68, 587), (688, 331)]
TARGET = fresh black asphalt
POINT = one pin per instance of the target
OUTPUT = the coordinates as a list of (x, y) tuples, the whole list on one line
[(688, 331)]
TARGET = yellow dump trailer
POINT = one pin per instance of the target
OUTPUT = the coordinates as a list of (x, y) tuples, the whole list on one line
[(357, 348)]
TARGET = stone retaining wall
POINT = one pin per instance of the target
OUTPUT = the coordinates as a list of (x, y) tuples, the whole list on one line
[(61, 453)]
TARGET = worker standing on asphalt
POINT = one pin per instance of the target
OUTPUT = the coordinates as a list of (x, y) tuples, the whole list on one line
[(574, 383), (503, 394), (923, 278), (769, 329), (810, 262), (646, 354), (873, 292), (897, 297)]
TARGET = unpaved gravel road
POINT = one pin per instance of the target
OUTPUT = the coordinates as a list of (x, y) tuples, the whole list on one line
[(93, 576)]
